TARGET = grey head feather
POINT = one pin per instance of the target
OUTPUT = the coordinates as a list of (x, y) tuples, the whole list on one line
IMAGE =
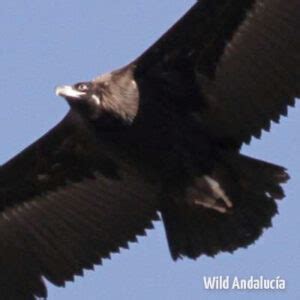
[(113, 93)]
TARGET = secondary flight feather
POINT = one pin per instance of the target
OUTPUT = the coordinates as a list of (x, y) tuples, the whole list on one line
[(160, 135)]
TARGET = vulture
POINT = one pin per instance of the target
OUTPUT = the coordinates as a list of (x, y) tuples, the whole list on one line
[(157, 138)]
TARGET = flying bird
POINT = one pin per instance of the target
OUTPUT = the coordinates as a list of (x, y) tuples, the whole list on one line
[(160, 136)]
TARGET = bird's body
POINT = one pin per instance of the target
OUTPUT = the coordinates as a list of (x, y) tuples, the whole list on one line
[(162, 134)]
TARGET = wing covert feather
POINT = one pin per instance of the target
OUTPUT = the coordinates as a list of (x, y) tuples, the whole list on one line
[(258, 76), (71, 218), (236, 62)]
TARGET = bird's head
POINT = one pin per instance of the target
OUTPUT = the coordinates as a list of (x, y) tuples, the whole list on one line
[(113, 95), (83, 97)]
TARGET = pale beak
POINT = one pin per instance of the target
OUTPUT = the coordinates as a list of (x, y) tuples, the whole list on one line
[(68, 91)]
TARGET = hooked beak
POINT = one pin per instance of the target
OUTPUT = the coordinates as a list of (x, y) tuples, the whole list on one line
[(68, 91)]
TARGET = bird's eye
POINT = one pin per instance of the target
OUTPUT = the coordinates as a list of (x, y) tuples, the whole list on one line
[(82, 87)]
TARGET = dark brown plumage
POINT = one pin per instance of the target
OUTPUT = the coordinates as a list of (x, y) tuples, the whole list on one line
[(162, 134)]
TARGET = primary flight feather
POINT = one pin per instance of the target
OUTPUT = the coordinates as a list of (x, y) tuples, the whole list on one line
[(160, 135)]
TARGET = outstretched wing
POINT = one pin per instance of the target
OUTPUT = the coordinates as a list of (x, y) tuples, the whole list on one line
[(232, 65), (66, 203)]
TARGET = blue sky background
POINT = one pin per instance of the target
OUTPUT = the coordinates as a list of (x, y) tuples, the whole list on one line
[(47, 43)]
